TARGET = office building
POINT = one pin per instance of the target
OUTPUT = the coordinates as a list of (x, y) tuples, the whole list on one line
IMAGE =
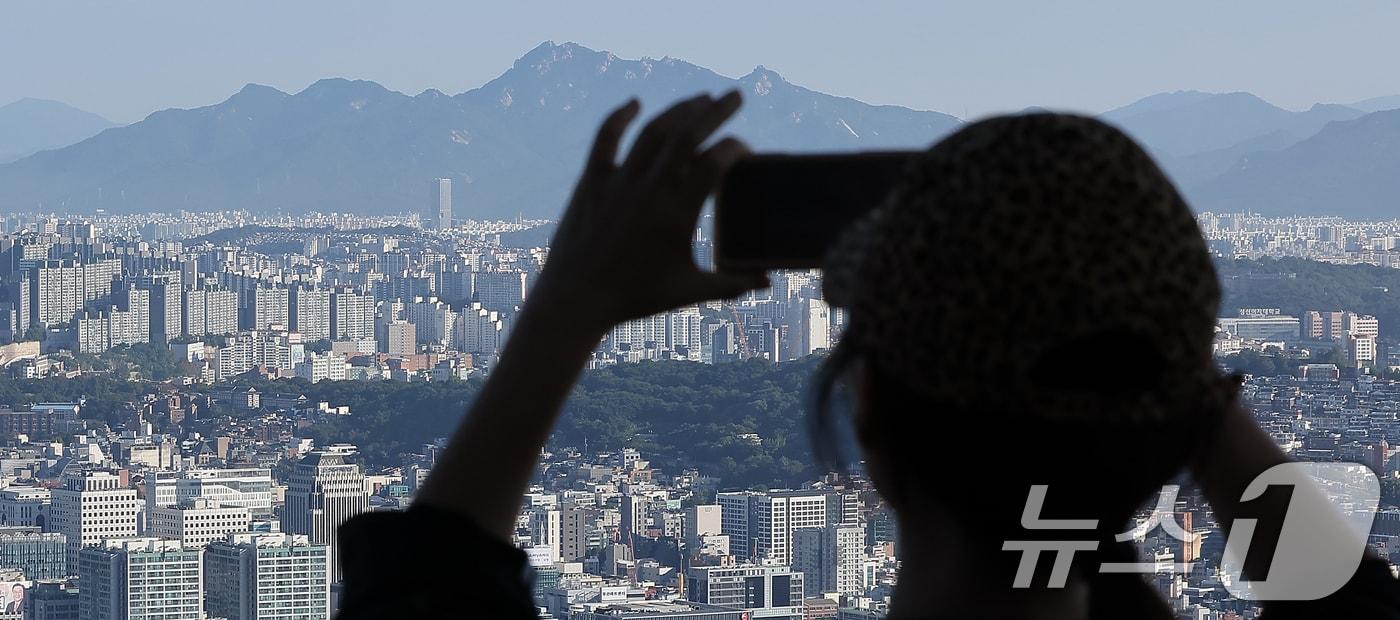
[(52, 600), (91, 506), (24, 505), (267, 576), (546, 530), (140, 578), (1267, 328), (244, 487), (702, 520), (324, 490), (40, 555), (659, 610), (763, 591), (198, 522)]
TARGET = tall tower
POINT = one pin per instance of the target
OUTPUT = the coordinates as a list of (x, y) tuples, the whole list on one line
[(324, 491), (440, 203)]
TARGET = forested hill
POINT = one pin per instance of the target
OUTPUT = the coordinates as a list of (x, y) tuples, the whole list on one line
[(744, 422), (1295, 285)]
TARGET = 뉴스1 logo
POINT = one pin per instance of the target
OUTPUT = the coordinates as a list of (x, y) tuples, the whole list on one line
[(1321, 543)]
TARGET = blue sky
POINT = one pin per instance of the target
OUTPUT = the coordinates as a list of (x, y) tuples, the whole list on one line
[(124, 59)]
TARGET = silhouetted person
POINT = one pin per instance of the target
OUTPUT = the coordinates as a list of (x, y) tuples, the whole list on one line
[(1034, 305)]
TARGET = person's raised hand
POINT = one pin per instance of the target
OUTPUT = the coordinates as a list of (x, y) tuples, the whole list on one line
[(623, 248)]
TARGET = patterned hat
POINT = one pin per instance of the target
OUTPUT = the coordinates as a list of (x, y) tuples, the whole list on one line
[(1016, 249)]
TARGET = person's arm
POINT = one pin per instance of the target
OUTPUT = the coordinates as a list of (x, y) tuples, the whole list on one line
[(1239, 451), (1238, 454), (622, 251)]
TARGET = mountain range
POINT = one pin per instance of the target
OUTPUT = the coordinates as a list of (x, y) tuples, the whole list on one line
[(514, 145), (28, 126)]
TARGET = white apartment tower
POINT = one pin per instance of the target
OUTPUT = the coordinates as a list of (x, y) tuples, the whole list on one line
[(352, 314), (311, 313)]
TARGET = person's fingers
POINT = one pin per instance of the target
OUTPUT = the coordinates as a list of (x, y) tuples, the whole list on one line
[(682, 142), (604, 154), (705, 173), (655, 135)]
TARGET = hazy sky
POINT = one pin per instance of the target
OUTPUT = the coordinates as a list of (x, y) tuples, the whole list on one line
[(125, 59)]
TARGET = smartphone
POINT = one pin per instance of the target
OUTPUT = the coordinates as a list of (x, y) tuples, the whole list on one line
[(783, 211)]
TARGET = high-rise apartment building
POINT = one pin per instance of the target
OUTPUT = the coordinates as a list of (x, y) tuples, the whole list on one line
[(91, 506), (267, 576), (268, 306), (760, 524), (501, 291), (274, 349), (140, 578), (352, 314), (167, 304), (401, 338), (58, 289), (210, 311), (324, 490), (830, 558), (311, 313)]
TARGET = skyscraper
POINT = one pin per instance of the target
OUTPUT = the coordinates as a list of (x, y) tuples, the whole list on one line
[(323, 492), (440, 203)]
